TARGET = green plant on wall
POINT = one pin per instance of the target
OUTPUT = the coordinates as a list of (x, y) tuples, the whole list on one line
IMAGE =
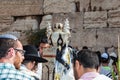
[(34, 37)]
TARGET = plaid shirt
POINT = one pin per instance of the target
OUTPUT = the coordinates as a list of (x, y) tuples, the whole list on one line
[(8, 72)]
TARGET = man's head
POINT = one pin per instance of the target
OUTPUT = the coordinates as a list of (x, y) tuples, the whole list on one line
[(105, 58), (11, 50), (85, 61), (42, 45), (32, 57)]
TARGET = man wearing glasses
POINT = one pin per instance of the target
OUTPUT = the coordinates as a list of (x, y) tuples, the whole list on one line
[(11, 56)]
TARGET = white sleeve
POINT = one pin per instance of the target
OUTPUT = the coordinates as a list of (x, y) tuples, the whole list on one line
[(39, 70)]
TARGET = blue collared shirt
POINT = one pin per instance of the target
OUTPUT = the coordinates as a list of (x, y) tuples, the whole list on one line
[(8, 72)]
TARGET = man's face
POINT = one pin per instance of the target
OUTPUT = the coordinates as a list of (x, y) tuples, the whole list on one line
[(31, 65), (19, 55), (42, 46), (35, 67)]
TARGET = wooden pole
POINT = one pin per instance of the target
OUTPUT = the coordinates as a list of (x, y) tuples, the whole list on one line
[(118, 58)]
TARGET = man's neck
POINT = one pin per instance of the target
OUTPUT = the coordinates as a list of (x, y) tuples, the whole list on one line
[(4, 60), (104, 64), (89, 70)]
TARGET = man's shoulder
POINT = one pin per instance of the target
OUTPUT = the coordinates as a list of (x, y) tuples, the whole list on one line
[(24, 75), (14, 74), (102, 77)]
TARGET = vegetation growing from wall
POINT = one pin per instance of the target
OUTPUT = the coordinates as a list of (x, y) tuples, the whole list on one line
[(34, 37)]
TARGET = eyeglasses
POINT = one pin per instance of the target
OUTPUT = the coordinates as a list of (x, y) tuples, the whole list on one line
[(21, 51)]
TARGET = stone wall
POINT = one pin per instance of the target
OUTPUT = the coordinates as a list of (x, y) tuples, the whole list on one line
[(94, 23), (88, 18), (21, 7)]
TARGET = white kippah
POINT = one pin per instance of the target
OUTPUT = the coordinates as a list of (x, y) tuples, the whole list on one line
[(8, 36)]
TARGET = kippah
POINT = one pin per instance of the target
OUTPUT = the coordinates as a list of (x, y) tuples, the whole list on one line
[(105, 55), (8, 36)]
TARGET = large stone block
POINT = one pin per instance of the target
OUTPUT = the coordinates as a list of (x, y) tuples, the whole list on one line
[(96, 19), (85, 38), (114, 18), (21, 7), (45, 20), (98, 5), (107, 37), (75, 19), (6, 19), (84, 5), (4, 28), (58, 6), (104, 4), (5, 23), (23, 25), (96, 39)]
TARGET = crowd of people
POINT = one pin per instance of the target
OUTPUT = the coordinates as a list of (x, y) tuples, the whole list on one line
[(24, 62)]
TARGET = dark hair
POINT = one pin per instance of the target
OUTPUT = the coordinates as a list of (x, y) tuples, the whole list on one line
[(88, 58), (84, 47), (99, 57), (44, 40), (27, 61), (5, 44)]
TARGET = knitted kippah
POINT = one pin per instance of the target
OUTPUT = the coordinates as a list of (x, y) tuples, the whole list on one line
[(8, 36)]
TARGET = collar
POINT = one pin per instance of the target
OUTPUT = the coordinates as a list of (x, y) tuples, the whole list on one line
[(89, 75), (23, 67), (6, 65)]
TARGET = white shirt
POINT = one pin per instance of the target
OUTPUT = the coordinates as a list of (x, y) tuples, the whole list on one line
[(39, 69), (102, 77)]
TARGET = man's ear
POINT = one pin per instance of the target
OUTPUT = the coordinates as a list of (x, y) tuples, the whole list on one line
[(77, 64), (10, 53)]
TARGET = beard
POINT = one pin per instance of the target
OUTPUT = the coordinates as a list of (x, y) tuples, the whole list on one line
[(17, 62), (17, 65)]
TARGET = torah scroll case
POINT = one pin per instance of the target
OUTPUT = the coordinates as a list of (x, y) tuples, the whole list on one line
[(58, 36)]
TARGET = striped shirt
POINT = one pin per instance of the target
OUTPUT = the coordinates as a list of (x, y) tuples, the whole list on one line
[(8, 72), (106, 70)]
